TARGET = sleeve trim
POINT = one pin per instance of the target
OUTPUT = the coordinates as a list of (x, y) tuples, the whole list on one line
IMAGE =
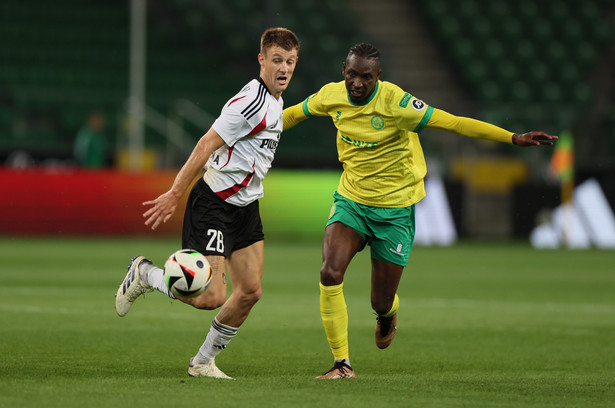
[(425, 120), (306, 110)]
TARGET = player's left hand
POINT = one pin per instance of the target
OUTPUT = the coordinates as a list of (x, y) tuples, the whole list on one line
[(533, 138)]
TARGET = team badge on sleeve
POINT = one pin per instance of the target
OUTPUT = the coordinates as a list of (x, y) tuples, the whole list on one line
[(417, 104)]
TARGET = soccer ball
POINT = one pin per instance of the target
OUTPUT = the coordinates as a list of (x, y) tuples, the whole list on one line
[(187, 273)]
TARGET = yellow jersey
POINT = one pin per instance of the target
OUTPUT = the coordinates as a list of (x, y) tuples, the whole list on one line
[(378, 143)]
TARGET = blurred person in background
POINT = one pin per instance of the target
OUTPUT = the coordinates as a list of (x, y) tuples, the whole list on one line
[(377, 141), (222, 217), (90, 148)]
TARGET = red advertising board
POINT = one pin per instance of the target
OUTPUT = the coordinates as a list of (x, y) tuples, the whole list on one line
[(77, 201)]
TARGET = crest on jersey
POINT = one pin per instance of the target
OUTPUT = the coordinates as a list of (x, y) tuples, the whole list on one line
[(377, 122)]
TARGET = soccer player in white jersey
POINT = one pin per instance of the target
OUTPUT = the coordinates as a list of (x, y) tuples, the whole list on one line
[(222, 218)]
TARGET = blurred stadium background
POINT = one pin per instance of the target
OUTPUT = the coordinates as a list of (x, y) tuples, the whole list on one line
[(523, 65)]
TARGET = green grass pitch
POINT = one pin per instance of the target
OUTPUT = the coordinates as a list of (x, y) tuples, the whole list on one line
[(479, 326)]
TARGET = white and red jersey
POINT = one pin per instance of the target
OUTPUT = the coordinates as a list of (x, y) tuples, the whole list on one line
[(250, 125)]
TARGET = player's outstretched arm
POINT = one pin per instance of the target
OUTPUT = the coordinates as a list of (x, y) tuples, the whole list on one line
[(533, 139), (474, 128), (163, 207)]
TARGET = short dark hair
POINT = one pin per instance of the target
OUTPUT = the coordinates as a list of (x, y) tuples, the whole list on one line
[(282, 37), (364, 50)]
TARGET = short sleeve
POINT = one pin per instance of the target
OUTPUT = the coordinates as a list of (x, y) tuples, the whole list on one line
[(231, 125), (317, 104), (411, 113), (242, 113)]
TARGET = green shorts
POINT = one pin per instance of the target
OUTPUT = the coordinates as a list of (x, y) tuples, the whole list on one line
[(388, 231)]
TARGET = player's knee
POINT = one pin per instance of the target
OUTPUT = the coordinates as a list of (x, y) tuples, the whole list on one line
[(329, 275), (248, 298)]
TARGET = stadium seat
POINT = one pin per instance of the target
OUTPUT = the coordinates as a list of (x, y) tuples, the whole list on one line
[(58, 61), (544, 66)]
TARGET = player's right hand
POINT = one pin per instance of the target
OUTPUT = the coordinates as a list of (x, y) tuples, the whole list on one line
[(162, 209)]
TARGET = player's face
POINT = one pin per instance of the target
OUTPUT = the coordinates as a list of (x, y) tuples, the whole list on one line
[(361, 76), (277, 67)]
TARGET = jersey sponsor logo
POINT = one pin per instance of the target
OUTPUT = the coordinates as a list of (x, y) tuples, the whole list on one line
[(404, 101), (357, 143), (377, 122), (418, 104), (269, 144)]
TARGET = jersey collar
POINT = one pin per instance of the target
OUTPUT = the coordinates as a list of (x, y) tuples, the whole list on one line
[(264, 84), (368, 99)]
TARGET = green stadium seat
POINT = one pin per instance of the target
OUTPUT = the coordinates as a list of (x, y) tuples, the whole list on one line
[(551, 92), (581, 93), (556, 53), (523, 50), (511, 29), (494, 50), (545, 66), (464, 49), (567, 73), (588, 11), (538, 72), (571, 29), (482, 28), (528, 10), (490, 90), (436, 9), (475, 71), (602, 32), (521, 91), (506, 71), (500, 9), (586, 54), (450, 27), (469, 9)]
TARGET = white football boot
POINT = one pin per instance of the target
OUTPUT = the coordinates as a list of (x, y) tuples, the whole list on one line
[(206, 370), (132, 287)]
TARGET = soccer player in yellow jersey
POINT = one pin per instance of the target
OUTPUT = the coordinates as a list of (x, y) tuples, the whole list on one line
[(377, 141)]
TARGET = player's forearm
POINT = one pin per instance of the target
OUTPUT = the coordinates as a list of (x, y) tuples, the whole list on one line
[(293, 115), (468, 127), (196, 162)]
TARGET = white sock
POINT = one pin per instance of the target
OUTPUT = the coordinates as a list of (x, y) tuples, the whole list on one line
[(218, 337), (345, 361), (153, 275)]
